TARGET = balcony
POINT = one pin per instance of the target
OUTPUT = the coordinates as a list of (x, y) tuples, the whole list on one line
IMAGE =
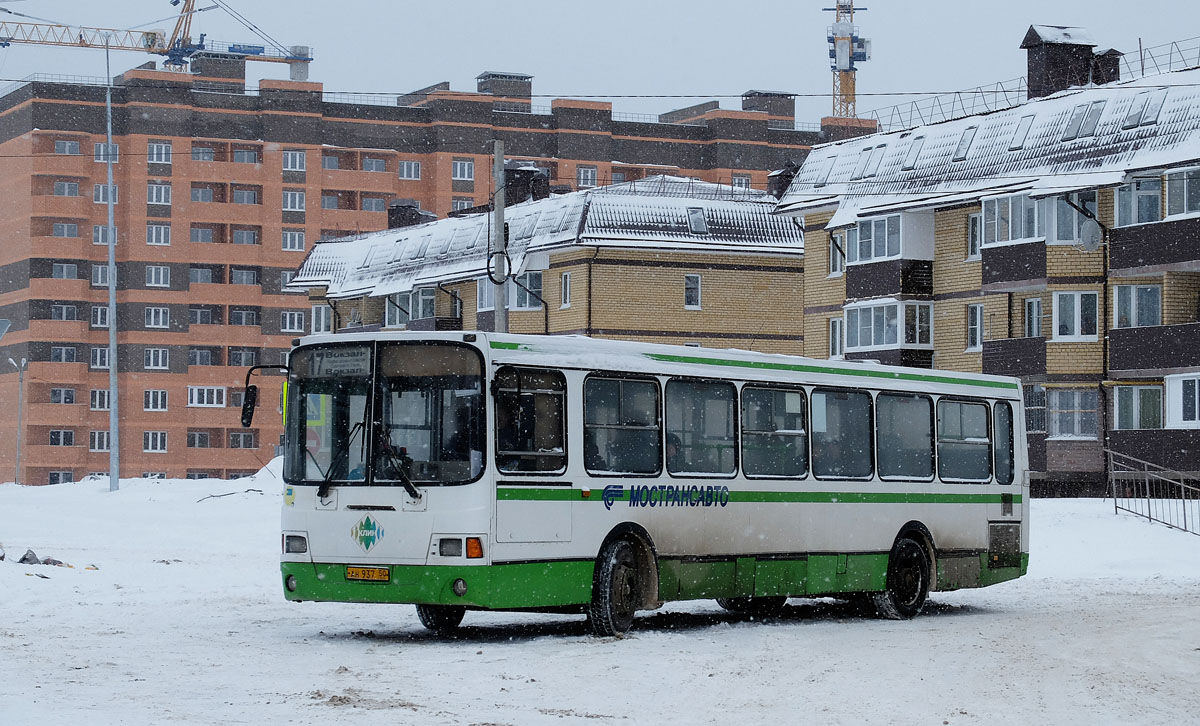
[(1159, 246), (1174, 449), (1154, 348), (49, 205), (1015, 357), (1009, 268), (889, 277), (367, 181), (58, 415), (907, 357), (64, 164), (441, 323)]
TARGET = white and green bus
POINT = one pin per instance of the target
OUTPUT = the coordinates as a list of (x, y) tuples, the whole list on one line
[(477, 471)]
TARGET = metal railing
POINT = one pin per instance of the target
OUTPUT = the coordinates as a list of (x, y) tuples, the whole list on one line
[(1172, 56), (946, 106), (1148, 490)]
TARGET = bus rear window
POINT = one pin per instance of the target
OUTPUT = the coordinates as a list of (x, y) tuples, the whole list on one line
[(904, 436), (964, 450), (841, 433)]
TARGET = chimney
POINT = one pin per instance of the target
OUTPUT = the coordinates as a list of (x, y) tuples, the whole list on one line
[(406, 213), (1059, 57), (779, 106), (509, 85), (523, 182), (1106, 66), (779, 180)]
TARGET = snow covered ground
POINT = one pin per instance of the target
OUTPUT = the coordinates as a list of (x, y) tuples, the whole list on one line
[(183, 621)]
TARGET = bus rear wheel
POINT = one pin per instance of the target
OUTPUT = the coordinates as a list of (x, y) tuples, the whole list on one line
[(616, 591), (441, 618), (759, 606), (907, 581)]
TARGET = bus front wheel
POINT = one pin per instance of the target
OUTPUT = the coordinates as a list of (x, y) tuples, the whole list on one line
[(615, 590), (441, 618), (907, 581)]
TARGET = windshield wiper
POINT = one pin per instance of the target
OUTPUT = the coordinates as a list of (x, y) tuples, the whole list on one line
[(399, 463), (327, 475)]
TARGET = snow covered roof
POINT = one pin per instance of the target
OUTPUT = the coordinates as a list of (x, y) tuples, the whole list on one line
[(653, 213), (1081, 138), (1057, 34)]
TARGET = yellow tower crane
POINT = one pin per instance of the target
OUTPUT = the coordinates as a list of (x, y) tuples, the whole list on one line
[(845, 49)]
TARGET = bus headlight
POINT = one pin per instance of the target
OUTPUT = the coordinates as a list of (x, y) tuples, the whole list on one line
[(294, 544)]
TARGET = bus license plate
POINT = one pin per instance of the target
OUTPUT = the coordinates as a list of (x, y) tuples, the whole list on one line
[(371, 574)]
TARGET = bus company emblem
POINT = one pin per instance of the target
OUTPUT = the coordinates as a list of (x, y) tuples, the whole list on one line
[(367, 533), (613, 493)]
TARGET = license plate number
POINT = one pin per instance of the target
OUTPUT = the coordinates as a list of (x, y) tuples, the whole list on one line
[(371, 574)]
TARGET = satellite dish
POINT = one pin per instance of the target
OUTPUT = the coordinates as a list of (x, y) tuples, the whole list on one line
[(1090, 235)]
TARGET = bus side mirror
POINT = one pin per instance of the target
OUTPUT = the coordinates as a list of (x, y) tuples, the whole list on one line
[(249, 401)]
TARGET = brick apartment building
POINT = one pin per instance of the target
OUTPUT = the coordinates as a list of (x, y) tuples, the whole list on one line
[(220, 191), (961, 245)]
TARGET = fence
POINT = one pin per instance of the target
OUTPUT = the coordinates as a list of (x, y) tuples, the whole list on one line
[(1150, 491)]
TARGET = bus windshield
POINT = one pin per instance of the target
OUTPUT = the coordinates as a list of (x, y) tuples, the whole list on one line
[(422, 422)]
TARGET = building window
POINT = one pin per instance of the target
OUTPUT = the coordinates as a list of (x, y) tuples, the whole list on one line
[(293, 201), (66, 147), (294, 160), (154, 442), (202, 194), (64, 271), (99, 358), (1139, 202), (158, 152), (155, 400), (291, 322), (874, 239), (99, 275), (100, 156), (585, 177), (243, 317), (66, 189), (206, 396), (64, 312), (293, 240), (329, 201), (1139, 407), (565, 291), (322, 319), (1035, 409), (974, 235), (99, 399), (462, 170), (837, 253), (200, 357), (1067, 220), (1033, 317), (1015, 218), (485, 294), (409, 169), (373, 163), (200, 316), (157, 317), (1074, 316), (203, 153), (99, 316), (397, 308), (246, 156), (1137, 306), (245, 196), (1073, 413), (62, 437), (374, 204), (741, 181), (1020, 133), (697, 224), (876, 326), (974, 327), (458, 203), (200, 274), (62, 354), (328, 161), (691, 292), (964, 143), (197, 440), (836, 340), (285, 279), (1183, 192), (202, 234), (158, 234), (156, 359), (158, 276), (245, 237), (526, 291), (99, 440), (64, 229), (243, 276), (242, 440), (1183, 401), (100, 235), (423, 303), (62, 395), (60, 477), (618, 177), (239, 357), (158, 193)]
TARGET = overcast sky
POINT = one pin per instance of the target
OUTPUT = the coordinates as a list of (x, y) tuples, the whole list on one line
[(706, 48)]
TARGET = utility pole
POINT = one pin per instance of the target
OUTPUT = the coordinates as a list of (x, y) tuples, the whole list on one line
[(20, 401), (114, 437), (499, 254)]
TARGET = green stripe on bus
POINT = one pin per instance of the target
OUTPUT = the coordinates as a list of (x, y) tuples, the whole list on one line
[(497, 345), (562, 494), (849, 371)]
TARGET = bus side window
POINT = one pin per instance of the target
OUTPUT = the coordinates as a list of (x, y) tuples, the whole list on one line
[(774, 438), (621, 426), (1004, 442), (964, 449), (904, 436), (701, 427), (530, 420), (841, 433)]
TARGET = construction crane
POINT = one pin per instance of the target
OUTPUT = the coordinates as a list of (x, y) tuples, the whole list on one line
[(176, 49), (845, 49)]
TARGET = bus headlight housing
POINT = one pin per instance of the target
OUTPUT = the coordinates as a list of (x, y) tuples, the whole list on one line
[(294, 544)]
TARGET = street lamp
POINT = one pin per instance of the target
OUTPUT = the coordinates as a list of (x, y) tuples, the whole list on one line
[(20, 399)]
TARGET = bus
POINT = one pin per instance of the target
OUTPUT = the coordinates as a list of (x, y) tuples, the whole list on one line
[(463, 471)]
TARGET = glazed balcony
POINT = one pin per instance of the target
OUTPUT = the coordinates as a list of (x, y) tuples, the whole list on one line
[(1157, 347), (1015, 357), (888, 278), (1167, 245), (1014, 267)]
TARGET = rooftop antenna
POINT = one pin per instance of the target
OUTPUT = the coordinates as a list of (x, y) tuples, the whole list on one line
[(845, 49)]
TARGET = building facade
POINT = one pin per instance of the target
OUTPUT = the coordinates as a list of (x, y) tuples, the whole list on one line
[(1053, 241), (220, 191)]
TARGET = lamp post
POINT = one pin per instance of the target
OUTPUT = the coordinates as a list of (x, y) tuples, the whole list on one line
[(20, 400)]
